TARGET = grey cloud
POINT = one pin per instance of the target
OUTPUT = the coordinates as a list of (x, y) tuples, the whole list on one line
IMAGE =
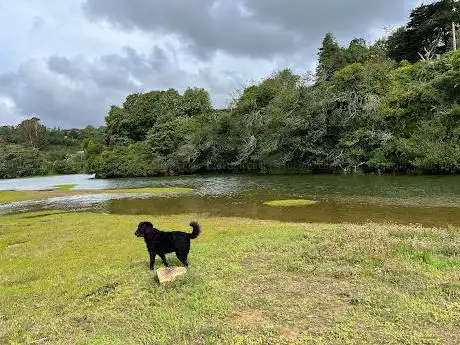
[(76, 92), (262, 28), (38, 23), (238, 40), (206, 25), (316, 17)]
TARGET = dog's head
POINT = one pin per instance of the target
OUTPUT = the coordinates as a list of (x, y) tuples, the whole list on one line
[(143, 229)]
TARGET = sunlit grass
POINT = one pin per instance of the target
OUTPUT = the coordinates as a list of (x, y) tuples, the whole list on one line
[(11, 196), (69, 278), (66, 190), (288, 203), (65, 186)]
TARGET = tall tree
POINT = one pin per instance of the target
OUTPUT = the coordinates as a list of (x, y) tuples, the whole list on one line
[(428, 33), (357, 51), (331, 58), (32, 133)]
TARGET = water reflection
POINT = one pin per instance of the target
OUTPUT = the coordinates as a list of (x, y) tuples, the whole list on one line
[(323, 212)]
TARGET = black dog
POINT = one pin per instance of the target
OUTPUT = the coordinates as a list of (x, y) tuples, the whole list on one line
[(161, 243)]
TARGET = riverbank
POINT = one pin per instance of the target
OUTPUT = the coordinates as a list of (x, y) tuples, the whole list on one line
[(260, 169), (83, 278), (65, 190)]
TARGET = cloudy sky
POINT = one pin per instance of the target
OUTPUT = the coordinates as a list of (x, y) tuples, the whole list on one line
[(67, 61)]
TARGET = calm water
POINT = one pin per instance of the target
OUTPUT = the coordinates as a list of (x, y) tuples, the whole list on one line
[(433, 201)]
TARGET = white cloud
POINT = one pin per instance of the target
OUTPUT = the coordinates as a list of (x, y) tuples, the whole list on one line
[(9, 113)]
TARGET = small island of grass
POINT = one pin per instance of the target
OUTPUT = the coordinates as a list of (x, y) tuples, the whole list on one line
[(290, 203), (65, 186)]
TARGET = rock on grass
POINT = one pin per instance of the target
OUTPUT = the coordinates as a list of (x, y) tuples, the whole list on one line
[(169, 274)]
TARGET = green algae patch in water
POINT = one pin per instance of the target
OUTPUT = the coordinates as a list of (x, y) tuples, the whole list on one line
[(148, 190), (290, 203)]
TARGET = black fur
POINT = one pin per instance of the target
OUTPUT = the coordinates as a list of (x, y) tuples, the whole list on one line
[(161, 243)]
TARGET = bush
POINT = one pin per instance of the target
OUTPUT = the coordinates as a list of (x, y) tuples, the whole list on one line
[(19, 161)]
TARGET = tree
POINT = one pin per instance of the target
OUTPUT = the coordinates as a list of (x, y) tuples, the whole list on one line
[(196, 101), (367, 113), (32, 133), (357, 51), (19, 161), (140, 112), (331, 58), (428, 33)]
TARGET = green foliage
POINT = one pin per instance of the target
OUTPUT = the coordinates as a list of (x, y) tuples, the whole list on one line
[(331, 58), (196, 102), (140, 112), (428, 33), (369, 115), (430, 146), (32, 133), (123, 161), (357, 51), (71, 164), (31, 149), (18, 161)]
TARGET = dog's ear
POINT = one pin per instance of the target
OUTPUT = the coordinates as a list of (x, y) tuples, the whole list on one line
[(148, 227)]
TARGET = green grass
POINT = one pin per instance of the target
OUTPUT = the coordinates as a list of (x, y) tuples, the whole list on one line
[(83, 278), (12, 196), (66, 190), (65, 186), (289, 203)]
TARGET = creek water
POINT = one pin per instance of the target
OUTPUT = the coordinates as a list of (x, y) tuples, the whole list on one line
[(426, 200)]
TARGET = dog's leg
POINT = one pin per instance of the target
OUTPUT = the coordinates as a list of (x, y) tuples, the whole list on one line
[(182, 258), (152, 260), (163, 258)]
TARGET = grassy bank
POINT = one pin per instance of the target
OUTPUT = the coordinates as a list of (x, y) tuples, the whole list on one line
[(71, 278), (66, 190)]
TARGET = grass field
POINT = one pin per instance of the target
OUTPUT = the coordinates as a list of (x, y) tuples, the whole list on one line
[(68, 278), (66, 190)]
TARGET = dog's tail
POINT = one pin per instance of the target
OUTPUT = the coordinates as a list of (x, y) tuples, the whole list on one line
[(196, 230)]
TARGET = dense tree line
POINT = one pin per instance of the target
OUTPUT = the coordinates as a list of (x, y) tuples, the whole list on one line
[(389, 106), (370, 114), (386, 107), (31, 149)]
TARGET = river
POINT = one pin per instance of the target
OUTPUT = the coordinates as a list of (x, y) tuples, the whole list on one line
[(426, 200)]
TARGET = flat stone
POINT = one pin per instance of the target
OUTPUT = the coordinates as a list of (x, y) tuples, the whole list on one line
[(169, 274)]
